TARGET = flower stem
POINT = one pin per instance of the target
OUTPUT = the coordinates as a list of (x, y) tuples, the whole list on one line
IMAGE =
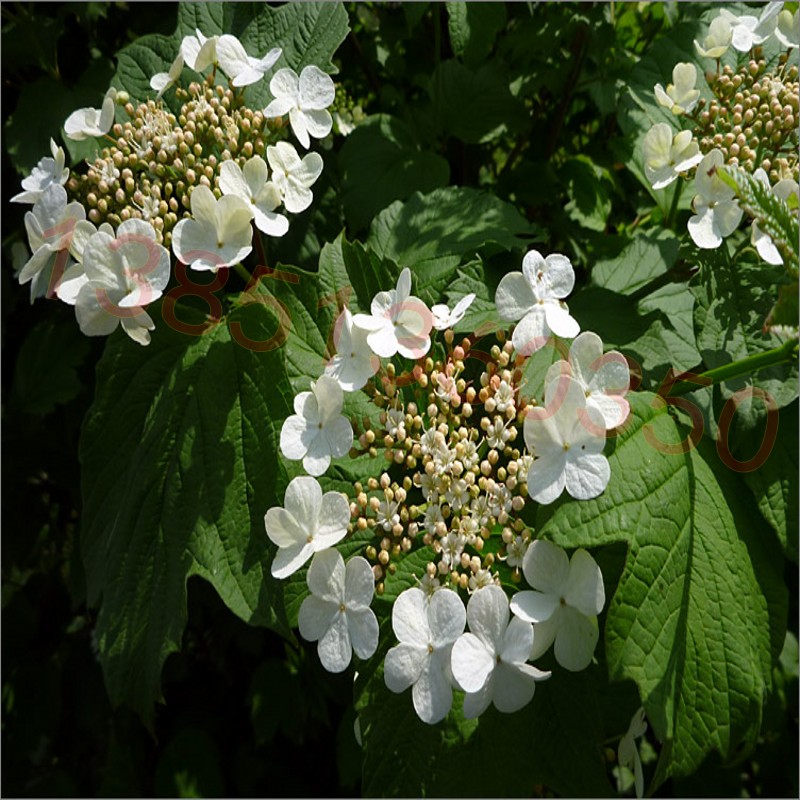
[(786, 353), (242, 272), (673, 209)]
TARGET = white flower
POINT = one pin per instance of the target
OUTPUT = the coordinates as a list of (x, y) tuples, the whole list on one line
[(567, 596), (49, 224), (567, 438), (294, 176), (604, 377), (452, 547), (681, 96), (161, 81), (443, 318), (88, 123), (761, 241), (354, 363), (337, 611), (251, 185), (317, 430), (309, 522), (198, 51), (665, 156), (515, 551), (628, 753), (118, 278), (488, 663), (787, 31), (219, 234), (240, 67), (480, 580), (747, 31), (534, 296), (47, 172), (717, 214), (399, 322), (426, 626), (718, 39), (305, 99)]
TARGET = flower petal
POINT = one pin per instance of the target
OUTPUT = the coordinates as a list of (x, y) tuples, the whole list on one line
[(471, 662), (403, 666), (533, 606), (575, 640), (363, 628), (546, 567), (334, 649), (303, 500), (326, 575), (514, 297), (517, 642), (586, 476), (513, 688), (447, 617), (584, 589), (432, 693), (359, 583), (334, 515), (315, 617), (410, 618)]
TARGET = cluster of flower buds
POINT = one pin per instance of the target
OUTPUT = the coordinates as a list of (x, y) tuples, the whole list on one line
[(753, 118)]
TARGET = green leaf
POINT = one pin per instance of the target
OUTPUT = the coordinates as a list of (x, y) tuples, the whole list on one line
[(647, 257), (473, 28), (588, 187), (491, 110), (700, 610), (381, 162), (178, 456)]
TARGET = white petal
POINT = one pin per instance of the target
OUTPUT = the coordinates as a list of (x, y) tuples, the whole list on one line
[(231, 180), (487, 614), (334, 515), (231, 55), (315, 617), (559, 320), (318, 458), (447, 617), (546, 478), (303, 500), (546, 567), (584, 589), (326, 575), (318, 123), (532, 332), (297, 119), (295, 435), (289, 559), (513, 688), (283, 529), (544, 634), (533, 606), (334, 647), (471, 662), (702, 229), (475, 703), (410, 618), (285, 83), (363, 628), (587, 476), (359, 583), (517, 642), (575, 640), (432, 694), (316, 89), (514, 297), (560, 276), (403, 666)]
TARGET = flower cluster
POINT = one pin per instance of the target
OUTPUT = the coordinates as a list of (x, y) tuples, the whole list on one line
[(199, 181), (751, 122), (465, 453)]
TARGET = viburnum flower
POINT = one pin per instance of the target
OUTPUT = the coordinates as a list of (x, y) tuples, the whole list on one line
[(666, 156), (161, 81), (488, 663), (783, 189), (680, 96), (567, 596), (534, 296), (398, 323), (49, 225), (250, 183), (605, 378), (89, 123), (317, 430), (199, 51), (717, 214), (787, 31), (748, 31), (47, 172), (444, 318), (354, 363), (567, 437), (717, 40), (294, 176), (628, 753), (337, 611), (426, 626), (219, 233), (305, 99), (309, 522), (241, 68), (122, 274)]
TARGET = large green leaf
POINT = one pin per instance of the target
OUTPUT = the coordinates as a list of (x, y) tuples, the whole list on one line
[(473, 28), (699, 613), (178, 456)]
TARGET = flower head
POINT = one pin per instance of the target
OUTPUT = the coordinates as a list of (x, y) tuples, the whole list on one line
[(305, 99), (567, 596), (251, 185), (294, 176), (488, 663), (426, 626), (717, 214), (399, 322), (241, 68), (680, 96), (89, 123), (309, 522), (47, 172), (666, 156), (747, 31), (444, 318), (718, 39), (534, 297), (567, 437), (317, 430), (218, 235), (337, 611)]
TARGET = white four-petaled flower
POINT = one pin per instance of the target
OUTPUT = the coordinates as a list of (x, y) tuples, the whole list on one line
[(354, 363), (567, 437), (305, 98), (251, 184), (666, 156), (294, 176), (426, 626), (717, 214), (317, 430), (717, 40), (89, 123), (747, 31), (563, 605), (488, 663), (219, 233), (309, 522), (680, 96), (534, 296), (398, 323), (337, 611), (47, 172), (199, 51), (444, 318)]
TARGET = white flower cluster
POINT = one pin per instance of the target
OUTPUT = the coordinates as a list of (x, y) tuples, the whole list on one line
[(467, 480), (669, 155), (113, 282)]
